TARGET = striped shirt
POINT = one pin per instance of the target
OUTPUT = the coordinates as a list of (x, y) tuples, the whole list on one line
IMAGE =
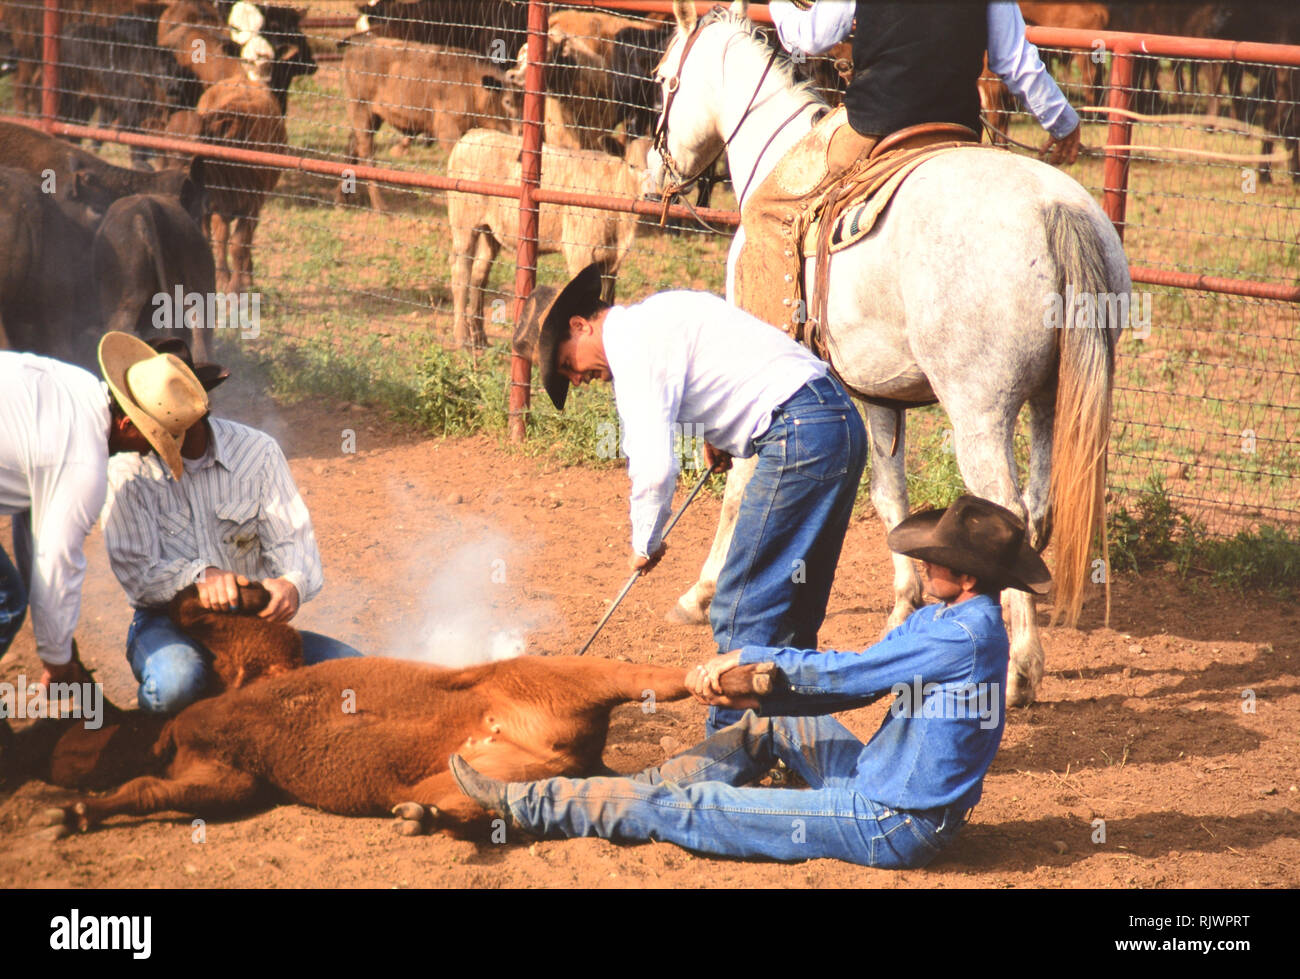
[(236, 509), (53, 457)]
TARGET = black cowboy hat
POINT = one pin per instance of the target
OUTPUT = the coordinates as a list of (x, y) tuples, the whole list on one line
[(575, 299), (975, 537), (209, 375)]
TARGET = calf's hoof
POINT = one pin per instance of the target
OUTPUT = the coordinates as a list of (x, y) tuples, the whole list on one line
[(756, 678), (414, 819), (77, 816)]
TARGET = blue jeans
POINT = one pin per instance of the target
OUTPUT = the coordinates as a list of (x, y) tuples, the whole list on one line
[(174, 671), (694, 800), (776, 581), (13, 601)]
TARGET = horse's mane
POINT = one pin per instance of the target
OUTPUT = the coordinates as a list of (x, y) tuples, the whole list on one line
[(783, 66)]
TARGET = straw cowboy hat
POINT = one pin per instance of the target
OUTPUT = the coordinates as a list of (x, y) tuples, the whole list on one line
[(575, 299), (975, 537), (160, 395), (209, 375)]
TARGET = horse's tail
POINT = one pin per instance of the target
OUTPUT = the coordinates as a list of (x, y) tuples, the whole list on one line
[(1086, 368)]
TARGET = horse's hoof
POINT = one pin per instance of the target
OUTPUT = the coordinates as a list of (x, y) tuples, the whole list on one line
[(408, 810), (681, 614), (1020, 692)]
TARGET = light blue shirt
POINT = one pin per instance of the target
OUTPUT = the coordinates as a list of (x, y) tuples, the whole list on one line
[(1011, 57), (947, 668)]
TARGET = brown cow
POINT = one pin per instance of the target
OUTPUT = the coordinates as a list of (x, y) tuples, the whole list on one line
[(418, 89), (243, 649), (1077, 16), (365, 737), (239, 112), (582, 105)]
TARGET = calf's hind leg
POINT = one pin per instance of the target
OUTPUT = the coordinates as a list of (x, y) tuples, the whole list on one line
[(201, 786)]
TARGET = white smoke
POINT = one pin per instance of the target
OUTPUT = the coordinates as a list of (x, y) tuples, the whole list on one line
[(472, 608)]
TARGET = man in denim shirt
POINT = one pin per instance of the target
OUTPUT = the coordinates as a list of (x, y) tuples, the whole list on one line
[(895, 802)]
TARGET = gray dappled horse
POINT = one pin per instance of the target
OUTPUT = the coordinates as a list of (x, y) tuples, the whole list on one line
[(947, 297)]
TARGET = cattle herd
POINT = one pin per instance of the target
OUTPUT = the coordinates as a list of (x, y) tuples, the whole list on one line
[(92, 246)]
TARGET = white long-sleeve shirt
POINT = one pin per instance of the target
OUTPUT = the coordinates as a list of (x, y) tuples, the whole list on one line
[(53, 464), (692, 359), (237, 509), (1011, 57)]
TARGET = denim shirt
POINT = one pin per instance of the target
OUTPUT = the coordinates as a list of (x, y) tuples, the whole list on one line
[(947, 668)]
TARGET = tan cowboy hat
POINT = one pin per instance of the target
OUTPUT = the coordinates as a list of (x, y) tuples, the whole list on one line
[(977, 537), (160, 395)]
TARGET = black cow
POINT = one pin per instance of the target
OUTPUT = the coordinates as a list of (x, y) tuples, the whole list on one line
[(145, 250), (494, 28), (46, 303)]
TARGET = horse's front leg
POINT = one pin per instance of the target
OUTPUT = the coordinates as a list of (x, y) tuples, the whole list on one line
[(889, 497), (693, 607)]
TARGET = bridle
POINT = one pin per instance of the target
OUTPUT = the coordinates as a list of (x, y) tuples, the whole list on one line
[(673, 84)]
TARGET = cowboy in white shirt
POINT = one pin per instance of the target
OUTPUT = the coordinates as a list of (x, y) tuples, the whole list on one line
[(691, 358), (56, 435)]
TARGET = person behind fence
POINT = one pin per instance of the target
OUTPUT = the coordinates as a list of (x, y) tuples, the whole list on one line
[(913, 64), (898, 801), (56, 436), (692, 359), (236, 513)]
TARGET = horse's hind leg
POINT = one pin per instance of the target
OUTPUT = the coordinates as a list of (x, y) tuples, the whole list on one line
[(201, 786), (693, 606), (889, 497), (987, 462)]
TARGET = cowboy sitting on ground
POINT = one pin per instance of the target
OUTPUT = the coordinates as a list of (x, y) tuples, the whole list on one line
[(690, 358), (898, 801), (236, 516)]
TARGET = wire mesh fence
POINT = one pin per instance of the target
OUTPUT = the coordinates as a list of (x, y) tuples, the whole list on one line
[(378, 272)]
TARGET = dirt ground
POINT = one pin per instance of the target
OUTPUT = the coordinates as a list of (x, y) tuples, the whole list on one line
[(438, 543)]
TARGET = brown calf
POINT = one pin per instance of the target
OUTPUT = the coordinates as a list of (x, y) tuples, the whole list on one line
[(245, 113), (359, 737), (418, 89), (243, 646)]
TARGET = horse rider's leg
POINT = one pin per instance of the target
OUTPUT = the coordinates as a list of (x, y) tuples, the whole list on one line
[(987, 463), (693, 607), (889, 497), (768, 263)]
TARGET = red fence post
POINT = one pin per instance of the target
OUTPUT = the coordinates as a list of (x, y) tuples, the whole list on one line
[(1118, 133), (50, 65), (521, 367)]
